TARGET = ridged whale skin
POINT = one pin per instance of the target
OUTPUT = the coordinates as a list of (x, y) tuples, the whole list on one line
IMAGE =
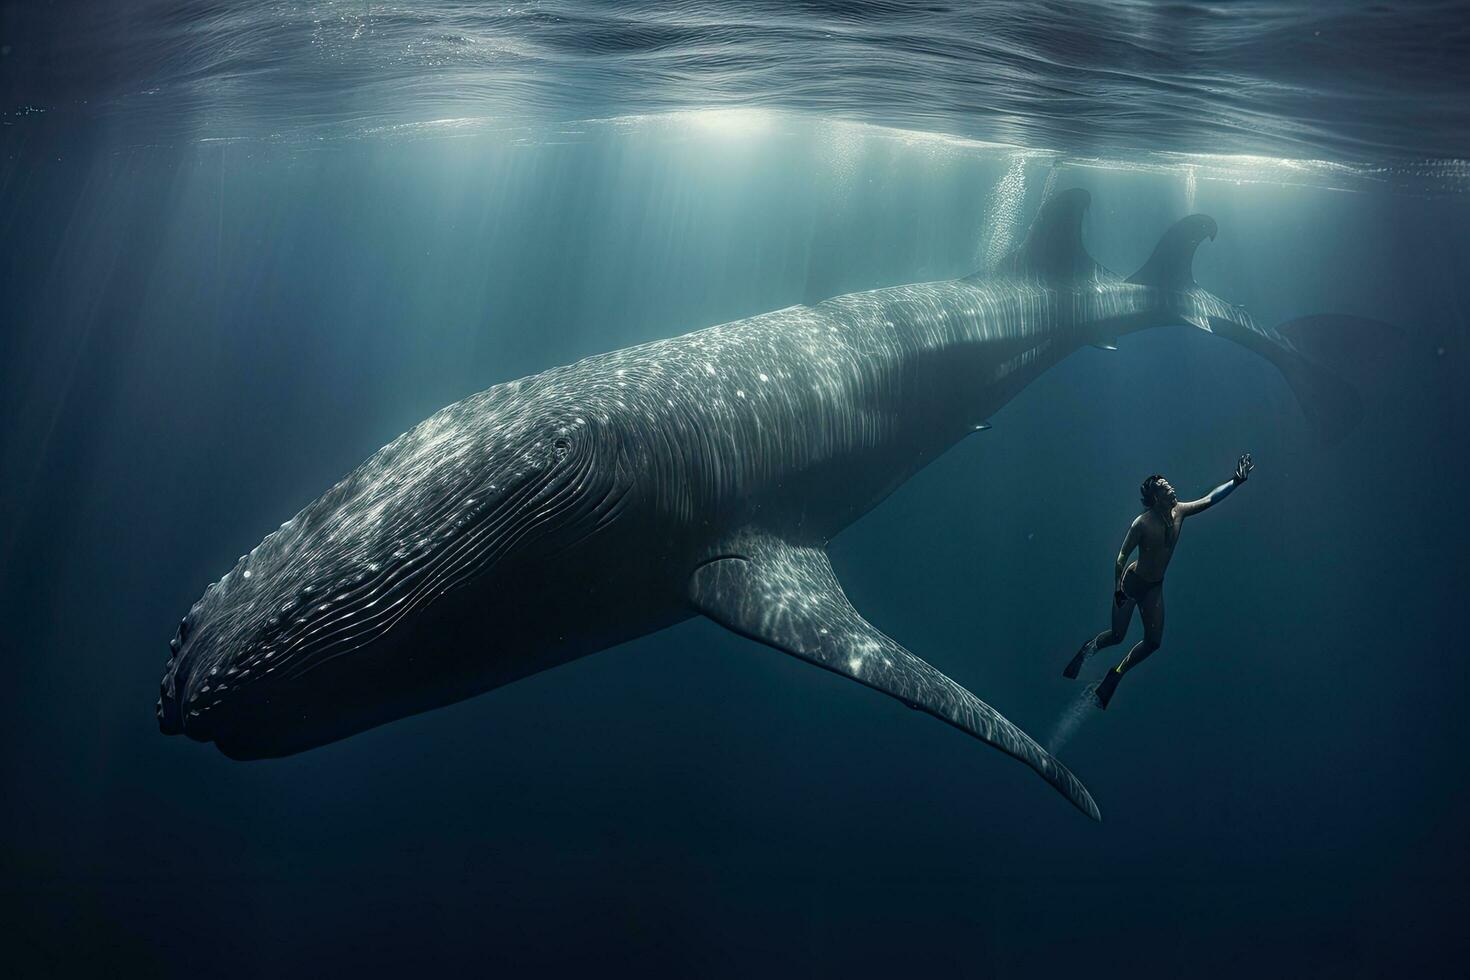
[(551, 517)]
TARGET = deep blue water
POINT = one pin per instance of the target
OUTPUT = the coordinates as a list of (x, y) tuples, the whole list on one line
[(336, 218)]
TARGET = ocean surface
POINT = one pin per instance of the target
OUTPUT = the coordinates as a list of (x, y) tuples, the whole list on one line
[(244, 245)]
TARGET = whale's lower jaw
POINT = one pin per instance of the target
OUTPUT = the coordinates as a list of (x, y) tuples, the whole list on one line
[(392, 678), (462, 646)]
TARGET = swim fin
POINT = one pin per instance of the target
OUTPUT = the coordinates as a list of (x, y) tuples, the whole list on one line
[(1105, 688), (1071, 670)]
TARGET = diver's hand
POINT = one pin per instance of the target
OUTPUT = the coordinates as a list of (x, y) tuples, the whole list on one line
[(1243, 468), (1119, 597)]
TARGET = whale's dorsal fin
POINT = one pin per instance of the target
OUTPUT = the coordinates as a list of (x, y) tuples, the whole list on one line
[(1053, 247), (1171, 266), (788, 597)]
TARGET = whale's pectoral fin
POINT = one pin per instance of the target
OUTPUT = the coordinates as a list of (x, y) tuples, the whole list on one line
[(788, 597)]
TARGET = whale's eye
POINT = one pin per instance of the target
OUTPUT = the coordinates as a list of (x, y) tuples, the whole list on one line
[(562, 446)]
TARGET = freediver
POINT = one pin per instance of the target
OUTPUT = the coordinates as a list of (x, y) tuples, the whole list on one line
[(1154, 533)]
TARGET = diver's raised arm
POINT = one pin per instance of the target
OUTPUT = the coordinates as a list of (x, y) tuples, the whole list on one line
[(1242, 473)]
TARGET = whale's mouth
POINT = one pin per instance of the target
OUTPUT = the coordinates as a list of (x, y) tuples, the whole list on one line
[(251, 721), (253, 712), (166, 709), (169, 722), (170, 709), (209, 698), (194, 700), (439, 657)]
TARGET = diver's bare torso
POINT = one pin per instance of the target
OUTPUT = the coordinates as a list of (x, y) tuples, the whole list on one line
[(1157, 536)]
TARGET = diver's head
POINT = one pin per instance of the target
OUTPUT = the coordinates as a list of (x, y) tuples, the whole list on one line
[(1157, 493)]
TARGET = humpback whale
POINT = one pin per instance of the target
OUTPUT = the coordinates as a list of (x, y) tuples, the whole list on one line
[(551, 517)]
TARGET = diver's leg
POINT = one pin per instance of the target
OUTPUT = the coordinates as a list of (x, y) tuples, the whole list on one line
[(1151, 611), (1111, 636), (1122, 616)]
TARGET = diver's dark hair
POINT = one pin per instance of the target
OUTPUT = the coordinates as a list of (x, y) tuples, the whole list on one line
[(1149, 488)]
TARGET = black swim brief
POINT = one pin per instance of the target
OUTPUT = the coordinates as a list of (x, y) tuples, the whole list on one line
[(1136, 587)]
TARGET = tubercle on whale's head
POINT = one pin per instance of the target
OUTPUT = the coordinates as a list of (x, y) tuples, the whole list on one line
[(450, 503)]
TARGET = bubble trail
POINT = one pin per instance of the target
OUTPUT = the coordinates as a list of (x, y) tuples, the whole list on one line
[(1002, 222), (1081, 708)]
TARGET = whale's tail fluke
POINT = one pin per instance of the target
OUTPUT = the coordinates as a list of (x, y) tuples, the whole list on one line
[(1302, 349), (1363, 352), (1333, 406), (1319, 356)]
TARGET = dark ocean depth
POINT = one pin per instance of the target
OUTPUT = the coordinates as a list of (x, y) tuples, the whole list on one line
[(216, 304)]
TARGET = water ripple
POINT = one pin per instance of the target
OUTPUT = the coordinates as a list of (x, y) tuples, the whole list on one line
[(1358, 84)]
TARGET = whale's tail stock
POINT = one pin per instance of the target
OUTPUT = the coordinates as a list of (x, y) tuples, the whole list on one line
[(1327, 360)]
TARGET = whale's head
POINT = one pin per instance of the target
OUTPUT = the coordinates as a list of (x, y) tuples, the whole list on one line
[(336, 621)]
